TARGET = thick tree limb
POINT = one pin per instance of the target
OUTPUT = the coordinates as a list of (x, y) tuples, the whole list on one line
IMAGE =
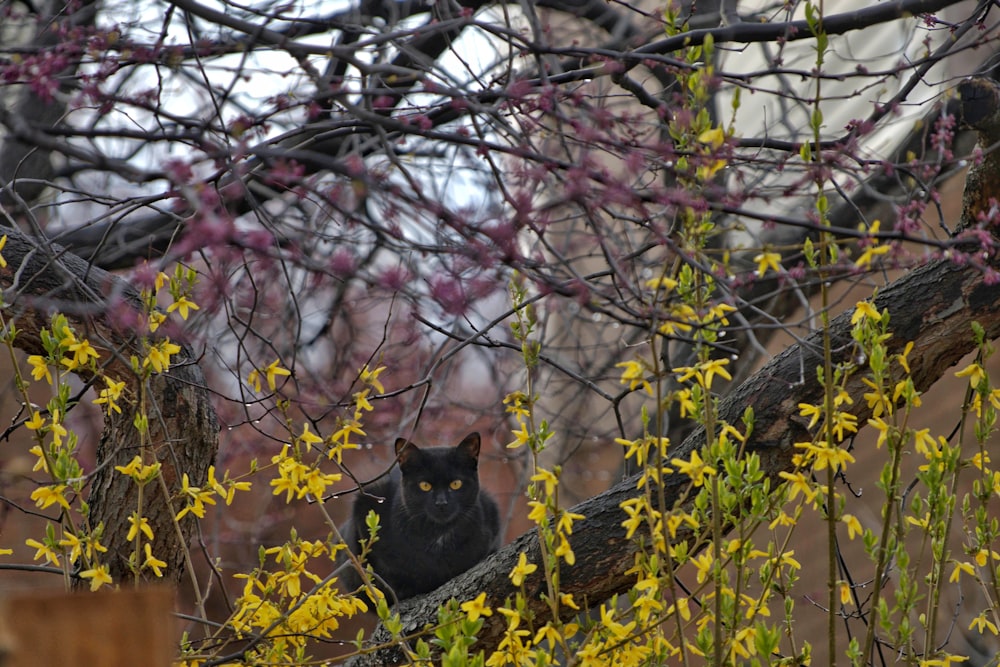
[(933, 307)]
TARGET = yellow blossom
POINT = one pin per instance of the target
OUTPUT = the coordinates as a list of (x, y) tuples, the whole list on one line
[(548, 479), (634, 376), (477, 607), (767, 260), (853, 525), (362, 403), (83, 352), (151, 562), (138, 524), (982, 623), (713, 137), (98, 576), (814, 412), (703, 563), (370, 378), (974, 372), (40, 368), (36, 422), (944, 661), (182, 306), (196, 498), (959, 568), (45, 496), (538, 511), (159, 355), (704, 372), (522, 569), (664, 283), (798, 482), (695, 468), (43, 550), (863, 309), (870, 252), (309, 438), (110, 394), (845, 592)]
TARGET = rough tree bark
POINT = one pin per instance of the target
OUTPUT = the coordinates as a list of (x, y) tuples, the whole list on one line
[(933, 307), (41, 279)]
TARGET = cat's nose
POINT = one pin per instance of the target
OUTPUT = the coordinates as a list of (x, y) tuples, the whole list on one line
[(441, 500)]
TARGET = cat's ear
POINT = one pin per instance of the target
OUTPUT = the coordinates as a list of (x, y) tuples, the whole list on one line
[(405, 450), (470, 446)]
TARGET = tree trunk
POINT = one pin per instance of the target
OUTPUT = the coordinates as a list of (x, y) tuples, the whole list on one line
[(41, 279), (933, 307)]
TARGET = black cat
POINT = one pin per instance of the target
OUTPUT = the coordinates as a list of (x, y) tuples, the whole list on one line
[(435, 523)]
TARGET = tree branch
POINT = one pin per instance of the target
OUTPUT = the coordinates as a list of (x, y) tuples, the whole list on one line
[(933, 307)]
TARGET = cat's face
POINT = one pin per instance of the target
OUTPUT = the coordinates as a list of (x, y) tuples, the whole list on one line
[(439, 482)]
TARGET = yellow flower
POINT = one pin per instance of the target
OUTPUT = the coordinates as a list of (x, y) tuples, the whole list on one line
[(361, 400), (786, 559), (835, 457), (182, 305), (151, 562), (138, 524), (873, 250), (196, 498), (36, 422), (982, 623), (694, 468), (370, 378), (864, 309), (767, 260), (713, 367), (548, 478), (82, 351), (272, 371), (45, 496), (664, 283), (111, 394), (704, 373), (713, 137), (477, 607), (538, 511), (959, 568), (142, 474), (522, 569), (798, 482), (567, 599), (703, 563), (943, 661), (159, 355), (634, 376), (40, 368), (156, 318), (845, 592), (812, 411), (853, 525), (98, 576), (308, 437), (974, 372), (43, 550)]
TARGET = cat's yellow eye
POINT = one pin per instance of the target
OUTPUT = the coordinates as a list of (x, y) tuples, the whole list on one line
[(425, 486), (456, 485)]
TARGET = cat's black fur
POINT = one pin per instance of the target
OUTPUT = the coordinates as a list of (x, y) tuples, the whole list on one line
[(427, 535)]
